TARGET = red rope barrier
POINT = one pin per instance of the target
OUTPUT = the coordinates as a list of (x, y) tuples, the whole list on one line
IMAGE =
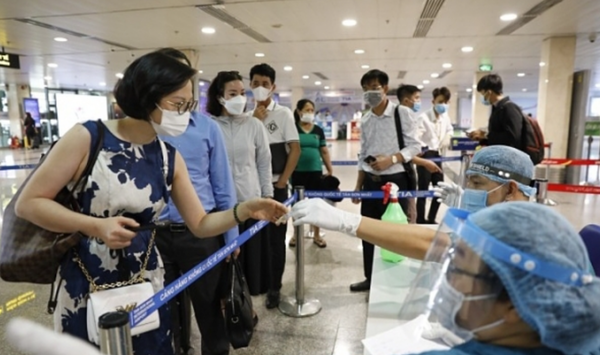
[(570, 162), (574, 189)]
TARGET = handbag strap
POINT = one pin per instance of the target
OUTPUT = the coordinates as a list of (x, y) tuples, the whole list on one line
[(134, 280)]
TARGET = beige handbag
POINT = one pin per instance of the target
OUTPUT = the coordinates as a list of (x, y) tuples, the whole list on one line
[(119, 296)]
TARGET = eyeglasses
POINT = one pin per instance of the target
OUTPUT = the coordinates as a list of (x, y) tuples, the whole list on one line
[(185, 106)]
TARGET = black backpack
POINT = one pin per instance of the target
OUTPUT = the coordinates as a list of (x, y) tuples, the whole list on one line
[(408, 167)]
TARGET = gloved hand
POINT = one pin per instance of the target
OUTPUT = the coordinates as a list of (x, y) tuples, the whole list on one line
[(31, 338), (435, 331), (448, 193), (319, 213)]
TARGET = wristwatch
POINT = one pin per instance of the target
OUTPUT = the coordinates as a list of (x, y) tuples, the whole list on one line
[(394, 159)]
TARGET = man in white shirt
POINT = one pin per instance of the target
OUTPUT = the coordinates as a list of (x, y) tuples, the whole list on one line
[(285, 151), (435, 130), (380, 159)]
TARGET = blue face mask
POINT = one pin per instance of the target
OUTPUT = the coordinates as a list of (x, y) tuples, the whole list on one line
[(441, 108), (485, 101), (417, 106), (474, 200)]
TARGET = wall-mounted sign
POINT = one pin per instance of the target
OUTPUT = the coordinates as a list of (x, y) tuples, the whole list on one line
[(486, 67), (8, 60)]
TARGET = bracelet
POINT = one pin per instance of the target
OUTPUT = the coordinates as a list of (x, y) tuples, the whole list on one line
[(235, 215)]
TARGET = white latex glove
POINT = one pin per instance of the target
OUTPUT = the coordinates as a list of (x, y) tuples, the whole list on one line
[(448, 193), (435, 331), (319, 213), (31, 338)]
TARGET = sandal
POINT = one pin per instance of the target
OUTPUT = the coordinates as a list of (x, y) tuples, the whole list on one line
[(292, 242), (320, 242)]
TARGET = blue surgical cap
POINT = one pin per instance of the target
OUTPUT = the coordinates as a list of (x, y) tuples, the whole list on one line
[(567, 317), (510, 162)]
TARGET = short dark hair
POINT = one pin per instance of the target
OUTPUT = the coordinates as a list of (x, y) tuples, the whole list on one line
[(263, 70), (217, 89), (491, 82), (175, 53), (147, 80), (375, 74), (299, 106), (405, 91), (443, 91)]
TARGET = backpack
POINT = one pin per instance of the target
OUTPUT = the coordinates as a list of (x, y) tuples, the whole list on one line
[(532, 138)]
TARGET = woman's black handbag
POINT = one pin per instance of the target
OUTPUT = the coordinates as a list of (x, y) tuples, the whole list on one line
[(238, 308)]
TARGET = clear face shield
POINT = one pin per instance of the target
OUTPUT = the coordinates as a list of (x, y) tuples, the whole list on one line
[(454, 289)]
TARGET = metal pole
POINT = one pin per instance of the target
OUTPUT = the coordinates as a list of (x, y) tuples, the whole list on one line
[(546, 201), (598, 168), (589, 157), (115, 334), (298, 306), (542, 191)]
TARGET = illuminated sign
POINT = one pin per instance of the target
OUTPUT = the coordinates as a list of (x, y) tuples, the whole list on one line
[(486, 67), (8, 60)]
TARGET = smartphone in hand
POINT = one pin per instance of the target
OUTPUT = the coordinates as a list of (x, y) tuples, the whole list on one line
[(148, 227), (369, 159)]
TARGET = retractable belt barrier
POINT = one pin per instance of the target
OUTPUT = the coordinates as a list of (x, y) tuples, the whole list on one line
[(366, 194), (173, 289)]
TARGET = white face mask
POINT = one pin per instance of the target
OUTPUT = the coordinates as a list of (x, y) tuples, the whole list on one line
[(449, 301), (373, 97), (235, 106), (172, 123), (307, 117), (261, 94)]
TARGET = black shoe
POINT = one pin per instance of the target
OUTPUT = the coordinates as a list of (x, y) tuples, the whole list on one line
[(361, 286), (272, 299)]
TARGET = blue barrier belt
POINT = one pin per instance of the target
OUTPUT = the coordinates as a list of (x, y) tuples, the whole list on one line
[(365, 194), (335, 162), (437, 160), (17, 167), (163, 296)]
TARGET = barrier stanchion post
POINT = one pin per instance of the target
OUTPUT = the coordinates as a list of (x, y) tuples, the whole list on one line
[(545, 200), (115, 334), (542, 191), (589, 157), (298, 306)]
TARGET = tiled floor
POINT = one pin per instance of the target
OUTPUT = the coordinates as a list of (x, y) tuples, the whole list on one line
[(337, 329)]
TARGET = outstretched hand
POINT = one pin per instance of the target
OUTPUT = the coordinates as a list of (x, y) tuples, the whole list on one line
[(264, 209)]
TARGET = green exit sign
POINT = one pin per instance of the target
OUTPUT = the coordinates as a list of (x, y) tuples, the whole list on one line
[(485, 67), (592, 128)]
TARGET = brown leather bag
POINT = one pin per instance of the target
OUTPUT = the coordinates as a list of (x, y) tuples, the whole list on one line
[(29, 253)]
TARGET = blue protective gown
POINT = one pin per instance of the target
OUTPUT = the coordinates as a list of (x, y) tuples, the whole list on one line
[(476, 348)]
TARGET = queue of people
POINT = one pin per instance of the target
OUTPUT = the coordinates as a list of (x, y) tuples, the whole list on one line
[(214, 176)]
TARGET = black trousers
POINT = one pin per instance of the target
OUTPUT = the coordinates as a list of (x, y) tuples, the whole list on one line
[(181, 251), (374, 208), (425, 178), (277, 245)]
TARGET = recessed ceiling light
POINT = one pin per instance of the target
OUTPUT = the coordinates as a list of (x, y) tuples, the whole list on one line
[(359, 51), (208, 30), (542, 64), (52, 65), (287, 68), (60, 39), (521, 75), (259, 55), (47, 78), (202, 83), (474, 86), (200, 71), (305, 76), (425, 81), (524, 90), (467, 49), (349, 22), (420, 86), (597, 85), (119, 75), (435, 75), (2, 84), (469, 89), (317, 83), (326, 88), (508, 17), (446, 65), (365, 66), (102, 83)]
